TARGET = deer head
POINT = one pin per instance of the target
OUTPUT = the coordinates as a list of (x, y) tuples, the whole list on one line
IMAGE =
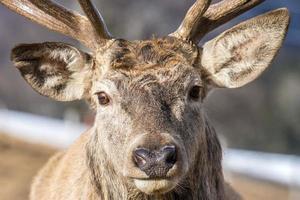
[(149, 127)]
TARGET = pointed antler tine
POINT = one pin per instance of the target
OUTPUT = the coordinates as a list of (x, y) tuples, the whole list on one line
[(195, 26), (191, 19), (91, 32), (95, 18), (222, 12)]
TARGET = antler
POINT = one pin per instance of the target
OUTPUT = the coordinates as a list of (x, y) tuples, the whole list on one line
[(191, 19), (216, 15), (91, 31), (95, 18)]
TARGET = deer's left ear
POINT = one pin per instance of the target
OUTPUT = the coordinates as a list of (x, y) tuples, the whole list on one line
[(241, 54)]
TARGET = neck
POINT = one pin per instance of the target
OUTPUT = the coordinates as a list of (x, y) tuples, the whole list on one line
[(203, 182)]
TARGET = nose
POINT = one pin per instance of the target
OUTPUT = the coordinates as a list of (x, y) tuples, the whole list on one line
[(155, 163)]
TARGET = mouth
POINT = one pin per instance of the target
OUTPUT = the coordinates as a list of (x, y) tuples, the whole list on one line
[(155, 186)]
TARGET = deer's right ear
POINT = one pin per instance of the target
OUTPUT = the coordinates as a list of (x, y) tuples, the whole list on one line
[(56, 70)]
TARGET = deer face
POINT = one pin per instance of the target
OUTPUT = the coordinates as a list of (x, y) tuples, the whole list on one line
[(148, 94), (149, 110)]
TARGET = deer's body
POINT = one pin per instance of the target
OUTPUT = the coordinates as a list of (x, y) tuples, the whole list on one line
[(151, 138)]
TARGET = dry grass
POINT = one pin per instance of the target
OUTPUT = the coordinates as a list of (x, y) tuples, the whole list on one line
[(252, 189), (20, 161)]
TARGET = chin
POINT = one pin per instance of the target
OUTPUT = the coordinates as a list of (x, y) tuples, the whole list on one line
[(155, 186)]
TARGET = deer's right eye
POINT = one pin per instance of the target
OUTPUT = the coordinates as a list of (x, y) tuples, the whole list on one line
[(103, 98)]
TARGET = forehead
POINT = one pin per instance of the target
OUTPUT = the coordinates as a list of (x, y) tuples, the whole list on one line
[(163, 59), (134, 56)]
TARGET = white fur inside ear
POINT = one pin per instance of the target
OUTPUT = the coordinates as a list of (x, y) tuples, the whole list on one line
[(241, 54)]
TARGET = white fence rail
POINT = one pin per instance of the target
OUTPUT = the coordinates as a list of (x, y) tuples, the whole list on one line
[(278, 168), (283, 169)]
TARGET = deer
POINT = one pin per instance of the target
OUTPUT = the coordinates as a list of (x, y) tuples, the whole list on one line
[(151, 138)]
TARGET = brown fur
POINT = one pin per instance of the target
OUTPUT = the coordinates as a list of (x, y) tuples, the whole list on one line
[(148, 84)]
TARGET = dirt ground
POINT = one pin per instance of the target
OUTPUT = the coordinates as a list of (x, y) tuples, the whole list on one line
[(20, 161)]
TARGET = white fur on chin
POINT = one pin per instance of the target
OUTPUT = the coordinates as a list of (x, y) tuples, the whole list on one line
[(155, 186)]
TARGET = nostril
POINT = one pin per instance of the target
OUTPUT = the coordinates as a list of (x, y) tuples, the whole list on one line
[(141, 156), (171, 159), (169, 155)]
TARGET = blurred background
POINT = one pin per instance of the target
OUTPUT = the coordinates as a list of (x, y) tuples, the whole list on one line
[(263, 116)]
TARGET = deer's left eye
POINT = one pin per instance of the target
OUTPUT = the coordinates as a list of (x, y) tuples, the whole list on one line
[(103, 98), (194, 93)]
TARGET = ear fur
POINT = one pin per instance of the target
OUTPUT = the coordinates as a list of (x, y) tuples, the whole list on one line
[(56, 70), (241, 54)]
